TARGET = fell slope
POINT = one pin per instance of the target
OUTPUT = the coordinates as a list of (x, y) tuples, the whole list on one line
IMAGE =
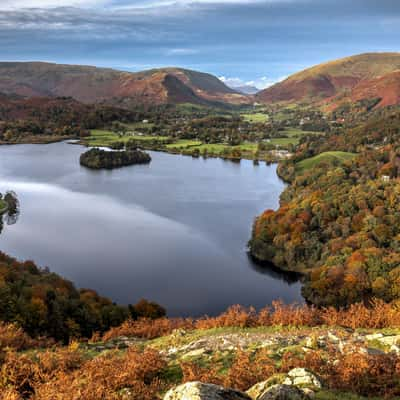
[(364, 76), (93, 85)]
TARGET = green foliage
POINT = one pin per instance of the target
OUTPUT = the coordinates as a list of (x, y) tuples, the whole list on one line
[(96, 158)]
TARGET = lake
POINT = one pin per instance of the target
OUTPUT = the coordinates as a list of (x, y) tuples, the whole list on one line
[(174, 231)]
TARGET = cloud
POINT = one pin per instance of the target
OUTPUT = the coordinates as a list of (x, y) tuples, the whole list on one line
[(260, 83), (118, 4), (26, 4), (255, 42), (181, 52)]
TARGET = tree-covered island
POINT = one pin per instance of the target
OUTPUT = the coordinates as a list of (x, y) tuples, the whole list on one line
[(96, 158)]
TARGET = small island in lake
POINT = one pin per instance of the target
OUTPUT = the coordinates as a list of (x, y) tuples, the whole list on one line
[(8, 203), (97, 158)]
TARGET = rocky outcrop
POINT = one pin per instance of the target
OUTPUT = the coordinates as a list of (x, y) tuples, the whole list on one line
[(302, 378), (297, 384), (204, 391), (283, 392)]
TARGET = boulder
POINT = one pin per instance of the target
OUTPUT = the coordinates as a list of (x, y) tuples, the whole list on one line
[(194, 353), (204, 391), (283, 392), (302, 378), (390, 340), (256, 391), (373, 336)]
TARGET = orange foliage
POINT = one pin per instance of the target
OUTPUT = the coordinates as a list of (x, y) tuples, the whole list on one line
[(377, 314), (64, 374)]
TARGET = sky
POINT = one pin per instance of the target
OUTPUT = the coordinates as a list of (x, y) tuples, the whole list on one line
[(256, 42)]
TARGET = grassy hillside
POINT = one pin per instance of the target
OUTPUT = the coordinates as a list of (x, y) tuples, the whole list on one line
[(364, 76), (328, 157), (90, 84), (368, 65), (240, 349)]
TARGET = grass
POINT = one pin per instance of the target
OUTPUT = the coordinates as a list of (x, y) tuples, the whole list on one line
[(218, 148), (139, 125), (328, 156), (255, 117), (184, 143), (333, 395), (106, 138), (293, 136)]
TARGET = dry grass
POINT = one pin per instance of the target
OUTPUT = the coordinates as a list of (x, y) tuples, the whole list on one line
[(376, 315)]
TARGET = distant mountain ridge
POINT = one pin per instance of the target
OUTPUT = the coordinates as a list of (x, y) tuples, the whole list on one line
[(246, 89), (95, 85), (364, 76)]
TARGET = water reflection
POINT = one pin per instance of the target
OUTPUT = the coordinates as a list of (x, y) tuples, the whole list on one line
[(173, 231), (267, 268)]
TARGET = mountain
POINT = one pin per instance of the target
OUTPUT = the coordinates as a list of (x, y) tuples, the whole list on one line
[(364, 76), (102, 85), (246, 89)]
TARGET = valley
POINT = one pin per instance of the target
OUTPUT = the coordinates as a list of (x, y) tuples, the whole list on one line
[(285, 201)]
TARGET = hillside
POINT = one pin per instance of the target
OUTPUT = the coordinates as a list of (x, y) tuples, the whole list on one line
[(94, 85), (287, 352), (364, 76), (48, 119)]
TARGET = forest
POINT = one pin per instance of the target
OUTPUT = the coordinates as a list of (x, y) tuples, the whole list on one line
[(338, 220), (97, 158), (45, 304), (27, 120)]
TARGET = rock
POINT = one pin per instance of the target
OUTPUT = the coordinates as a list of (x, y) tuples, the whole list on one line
[(179, 333), (373, 336), (204, 391), (308, 392), (256, 391), (395, 349), (283, 392), (333, 338), (390, 340), (371, 351), (260, 388), (302, 378), (194, 353)]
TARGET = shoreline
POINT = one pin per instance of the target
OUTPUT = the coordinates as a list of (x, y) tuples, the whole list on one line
[(268, 157), (40, 140)]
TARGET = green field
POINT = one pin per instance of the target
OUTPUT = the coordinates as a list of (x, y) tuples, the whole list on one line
[(255, 117), (248, 150), (218, 148), (293, 136), (139, 125), (106, 138), (328, 156), (183, 143)]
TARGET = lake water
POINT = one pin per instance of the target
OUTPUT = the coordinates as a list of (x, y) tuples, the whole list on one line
[(174, 231)]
